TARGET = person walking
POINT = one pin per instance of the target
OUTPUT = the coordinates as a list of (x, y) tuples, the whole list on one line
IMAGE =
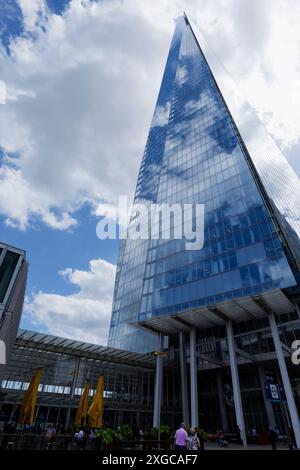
[(141, 438), (222, 440), (181, 438), (81, 441), (49, 436), (202, 441), (193, 442), (273, 438), (238, 434)]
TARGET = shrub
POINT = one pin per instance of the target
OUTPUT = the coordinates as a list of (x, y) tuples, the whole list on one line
[(126, 432), (151, 433), (105, 435), (202, 433), (165, 432)]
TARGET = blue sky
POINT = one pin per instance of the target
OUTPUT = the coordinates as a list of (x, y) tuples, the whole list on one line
[(50, 251), (82, 79)]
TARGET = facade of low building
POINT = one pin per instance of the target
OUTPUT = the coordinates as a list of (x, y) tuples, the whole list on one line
[(13, 277)]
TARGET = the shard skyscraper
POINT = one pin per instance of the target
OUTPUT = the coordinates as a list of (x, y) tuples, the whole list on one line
[(206, 146), (234, 303)]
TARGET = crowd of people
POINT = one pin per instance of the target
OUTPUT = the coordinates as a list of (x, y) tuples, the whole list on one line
[(188, 439), (84, 438), (185, 437)]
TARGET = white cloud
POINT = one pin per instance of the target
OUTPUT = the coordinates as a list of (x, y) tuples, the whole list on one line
[(34, 13), (81, 89), (79, 126), (16, 190), (84, 315)]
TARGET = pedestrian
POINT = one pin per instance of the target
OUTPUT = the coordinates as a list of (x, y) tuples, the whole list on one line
[(239, 435), (49, 436), (290, 443), (141, 438), (193, 442), (181, 438), (222, 440), (202, 441), (273, 438), (91, 438), (292, 439), (80, 439)]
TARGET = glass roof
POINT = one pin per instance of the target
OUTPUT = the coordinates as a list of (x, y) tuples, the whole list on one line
[(34, 339)]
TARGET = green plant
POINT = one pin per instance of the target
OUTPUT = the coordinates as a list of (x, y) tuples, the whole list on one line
[(202, 433), (125, 431), (151, 433), (117, 435), (105, 435), (165, 432), (72, 429)]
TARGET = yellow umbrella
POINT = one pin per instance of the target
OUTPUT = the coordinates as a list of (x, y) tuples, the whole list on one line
[(95, 411), (27, 408), (81, 413)]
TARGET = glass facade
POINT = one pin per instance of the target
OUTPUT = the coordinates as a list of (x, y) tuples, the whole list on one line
[(277, 179), (196, 154)]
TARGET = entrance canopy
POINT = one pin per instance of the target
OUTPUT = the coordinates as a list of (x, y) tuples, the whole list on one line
[(237, 310)]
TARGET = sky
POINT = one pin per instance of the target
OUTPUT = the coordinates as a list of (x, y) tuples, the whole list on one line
[(82, 78)]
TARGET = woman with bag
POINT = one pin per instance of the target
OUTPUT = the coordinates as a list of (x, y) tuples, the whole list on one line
[(193, 442)]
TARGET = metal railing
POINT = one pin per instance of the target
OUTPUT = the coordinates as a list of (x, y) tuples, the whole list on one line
[(33, 441)]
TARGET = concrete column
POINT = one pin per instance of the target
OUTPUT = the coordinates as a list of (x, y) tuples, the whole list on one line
[(297, 310), (183, 379), (235, 382), (222, 407), (72, 389), (285, 379), (158, 383), (194, 381), (268, 403)]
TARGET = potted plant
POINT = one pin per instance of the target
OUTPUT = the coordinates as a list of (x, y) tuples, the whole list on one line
[(126, 432), (202, 433), (117, 439), (165, 436), (104, 438), (203, 436), (150, 437)]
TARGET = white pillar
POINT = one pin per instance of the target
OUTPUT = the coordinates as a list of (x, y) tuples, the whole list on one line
[(183, 379), (158, 383), (194, 382), (235, 382), (285, 379)]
